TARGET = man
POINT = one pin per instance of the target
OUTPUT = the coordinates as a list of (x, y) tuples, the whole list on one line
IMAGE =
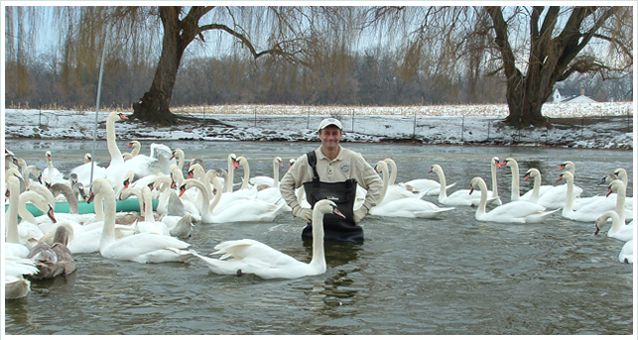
[(335, 176)]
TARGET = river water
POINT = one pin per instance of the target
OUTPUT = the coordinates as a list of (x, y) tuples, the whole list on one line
[(452, 275)]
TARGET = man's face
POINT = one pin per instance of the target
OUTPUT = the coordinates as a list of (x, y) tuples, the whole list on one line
[(330, 136)]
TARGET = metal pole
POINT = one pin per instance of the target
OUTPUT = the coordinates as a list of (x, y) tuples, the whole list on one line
[(97, 105)]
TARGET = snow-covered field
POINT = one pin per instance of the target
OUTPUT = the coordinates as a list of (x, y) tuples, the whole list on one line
[(593, 125)]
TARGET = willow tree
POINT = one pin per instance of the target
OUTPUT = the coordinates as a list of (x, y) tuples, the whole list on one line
[(560, 42)]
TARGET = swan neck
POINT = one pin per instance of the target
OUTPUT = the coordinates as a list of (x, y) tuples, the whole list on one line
[(537, 188), (244, 164), (384, 190), (114, 151), (494, 180), (443, 191), (616, 223), (318, 254), (275, 172), (569, 205), (621, 192), (393, 174), (231, 175), (483, 202), (12, 230), (108, 228), (148, 204), (515, 182)]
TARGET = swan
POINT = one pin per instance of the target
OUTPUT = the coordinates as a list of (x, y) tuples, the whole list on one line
[(159, 161), (459, 197), (115, 171), (426, 186), (31, 170), (621, 208), (266, 181), (141, 248), (178, 155), (243, 162), (169, 203), (411, 207), (12, 245), (511, 212), (136, 150), (50, 171), (15, 285), (53, 259), (232, 165), (252, 257), (393, 191), (83, 171), (618, 230), (587, 212), (29, 228), (626, 254), (148, 224), (551, 197)]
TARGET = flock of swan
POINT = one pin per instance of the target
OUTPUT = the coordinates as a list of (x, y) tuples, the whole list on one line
[(43, 247)]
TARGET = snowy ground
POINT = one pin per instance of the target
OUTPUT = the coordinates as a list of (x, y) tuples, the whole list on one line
[(596, 125)]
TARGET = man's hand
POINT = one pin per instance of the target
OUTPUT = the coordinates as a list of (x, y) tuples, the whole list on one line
[(359, 214), (302, 213)]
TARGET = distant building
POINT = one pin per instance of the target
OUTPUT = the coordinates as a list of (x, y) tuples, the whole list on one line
[(570, 96)]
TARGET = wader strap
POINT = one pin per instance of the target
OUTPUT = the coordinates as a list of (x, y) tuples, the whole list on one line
[(312, 161)]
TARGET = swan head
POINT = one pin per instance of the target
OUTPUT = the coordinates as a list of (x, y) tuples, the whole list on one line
[(279, 161), (568, 166), (607, 179), (179, 153), (87, 158), (567, 176), (531, 173), (291, 162), (381, 167), (602, 220), (326, 206), (615, 186), (509, 161), (496, 162), (47, 154), (477, 182), (435, 168)]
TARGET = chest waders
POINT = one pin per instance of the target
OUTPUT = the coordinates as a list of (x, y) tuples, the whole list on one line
[(336, 228)]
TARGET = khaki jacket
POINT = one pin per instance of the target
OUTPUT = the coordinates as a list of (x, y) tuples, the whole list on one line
[(347, 165)]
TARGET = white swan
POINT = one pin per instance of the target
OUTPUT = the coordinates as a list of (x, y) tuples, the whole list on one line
[(592, 210), (148, 225), (115, 171), (459, 197), (15, 285), (159, 161), (136, 150), (13, 247), (252, 257), (142, 248), (626, 254), (411, 207), (53, 259), (618, 230), (393, 191), (426, 186), (266, 181), (83, 172), (511, 212), (239, 209), (178, 155), (50, 171)]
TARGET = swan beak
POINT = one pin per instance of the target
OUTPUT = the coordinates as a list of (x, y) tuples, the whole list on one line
[(126, 183), (337, 212), (608, 192), (561, 168), (52, 215), (498, 165), (91, 197), (7, 193), (122, 116), (559, 178), (235, 164), (130, 145), (597, 229), (471, 189), (429, 171), (172, 155), (182, 189), (526, 177), (173, 185)]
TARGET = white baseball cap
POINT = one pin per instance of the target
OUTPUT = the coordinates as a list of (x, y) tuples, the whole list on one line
[(330, 121)]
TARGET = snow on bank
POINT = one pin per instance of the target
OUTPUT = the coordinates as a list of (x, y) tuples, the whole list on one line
[(447, 124)]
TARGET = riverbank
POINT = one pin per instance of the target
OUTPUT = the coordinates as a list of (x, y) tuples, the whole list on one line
[(596, 126)]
